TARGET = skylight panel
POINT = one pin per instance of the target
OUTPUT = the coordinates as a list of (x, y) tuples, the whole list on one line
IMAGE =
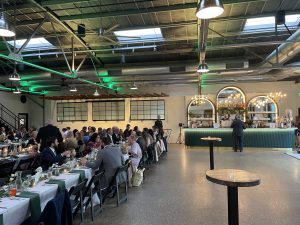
[(33, 44), (127, 36), (269, 22)]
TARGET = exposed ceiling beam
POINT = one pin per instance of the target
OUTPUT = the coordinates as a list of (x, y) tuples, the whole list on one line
[(55, 19), (150, 10)]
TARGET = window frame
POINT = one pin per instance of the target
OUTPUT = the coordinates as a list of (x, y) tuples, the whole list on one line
[(150, 110), (111, 107), (79, 109)]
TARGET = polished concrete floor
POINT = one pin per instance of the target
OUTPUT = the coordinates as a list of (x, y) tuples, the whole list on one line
[(176, 192)]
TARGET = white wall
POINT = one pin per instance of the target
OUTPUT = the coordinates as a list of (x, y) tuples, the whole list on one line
[(13, 103)]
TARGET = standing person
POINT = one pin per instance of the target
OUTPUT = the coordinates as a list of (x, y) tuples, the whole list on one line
[(158, 123), (127, 132), (46, 132), (238, 133), (109, 134)]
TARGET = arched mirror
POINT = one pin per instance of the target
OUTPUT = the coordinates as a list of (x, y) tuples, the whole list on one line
[(201, 113), (230, 101), (262, 112)]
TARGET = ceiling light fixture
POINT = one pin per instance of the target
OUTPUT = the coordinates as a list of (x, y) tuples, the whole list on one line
[(14, 76), (133, 87), (208, 9), (96, 93), (17, 91), (203, 68), (73, 89), (4, 27)]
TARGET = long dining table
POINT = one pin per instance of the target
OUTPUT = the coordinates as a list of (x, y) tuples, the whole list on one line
[(15, 210)]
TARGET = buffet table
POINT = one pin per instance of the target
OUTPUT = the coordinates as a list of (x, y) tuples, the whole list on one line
[(253, 137)]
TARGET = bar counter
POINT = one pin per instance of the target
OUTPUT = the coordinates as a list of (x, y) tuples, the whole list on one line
[(253, 137)]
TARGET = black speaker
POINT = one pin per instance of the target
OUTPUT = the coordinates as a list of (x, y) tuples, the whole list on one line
[(23, 99), (81, 30), (280, 17)]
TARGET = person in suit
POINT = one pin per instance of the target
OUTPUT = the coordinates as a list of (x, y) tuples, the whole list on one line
[(238, 133), (22, 134), (109, 158), (141, 141), (46, 132), (50, 156), (109, 134), (127, 132), (116, 135), (158, 123)]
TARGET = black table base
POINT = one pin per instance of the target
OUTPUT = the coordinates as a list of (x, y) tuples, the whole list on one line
[(233, 206), (211, 155)]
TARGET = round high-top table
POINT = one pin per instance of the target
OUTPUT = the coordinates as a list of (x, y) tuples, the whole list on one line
[(233, 179), (211, 141)]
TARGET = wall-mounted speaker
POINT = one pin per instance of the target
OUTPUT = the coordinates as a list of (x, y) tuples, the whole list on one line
[(23, 99)]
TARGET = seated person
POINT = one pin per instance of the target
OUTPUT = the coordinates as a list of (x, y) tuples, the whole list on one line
[(49, 155), (70, 143), (108, 159), (32, 140), (134, 151), (11, 135), (22, 134)]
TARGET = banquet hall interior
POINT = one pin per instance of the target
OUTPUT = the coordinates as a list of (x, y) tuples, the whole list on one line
[(150, 112)]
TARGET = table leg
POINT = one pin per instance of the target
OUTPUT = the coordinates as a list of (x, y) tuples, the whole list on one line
[(211, 155), (233, 206)]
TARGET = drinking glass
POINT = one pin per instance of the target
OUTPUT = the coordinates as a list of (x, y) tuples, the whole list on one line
[(26, 182), (12, 190)]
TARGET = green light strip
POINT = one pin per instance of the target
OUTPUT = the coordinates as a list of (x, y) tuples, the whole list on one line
[(54, 71), (26, 91)]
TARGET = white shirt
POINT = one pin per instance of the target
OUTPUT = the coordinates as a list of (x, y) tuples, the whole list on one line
[(53, 150)]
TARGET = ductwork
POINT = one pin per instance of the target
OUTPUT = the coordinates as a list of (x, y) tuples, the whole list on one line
[(286, 51)]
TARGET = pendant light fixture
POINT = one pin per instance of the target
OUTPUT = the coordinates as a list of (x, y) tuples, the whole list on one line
[(5, 31), (14, 76), (133, 87), (208, 9), (203, 68), (96, 93), (73, 89), (17, 91)]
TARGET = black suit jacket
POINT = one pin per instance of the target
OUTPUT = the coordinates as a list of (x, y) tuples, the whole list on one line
[(142, 144), (238, 127), (48, 158), (116, 139), (47, 132)]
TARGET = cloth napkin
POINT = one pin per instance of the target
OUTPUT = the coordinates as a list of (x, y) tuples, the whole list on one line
[(61, 183), (35, 206), (81, 174)]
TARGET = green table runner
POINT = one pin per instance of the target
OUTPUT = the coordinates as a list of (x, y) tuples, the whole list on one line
[(61, 183), (1, 219), (81, 174), (35, 206)]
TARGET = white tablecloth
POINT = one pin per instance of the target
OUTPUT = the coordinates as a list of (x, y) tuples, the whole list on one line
[(18, 210)]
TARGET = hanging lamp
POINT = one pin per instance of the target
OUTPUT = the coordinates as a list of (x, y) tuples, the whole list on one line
[(208, 9), (203, 68)]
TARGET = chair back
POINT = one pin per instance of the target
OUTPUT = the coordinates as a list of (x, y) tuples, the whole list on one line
[(6, 168), (75, 190), (24, 164)]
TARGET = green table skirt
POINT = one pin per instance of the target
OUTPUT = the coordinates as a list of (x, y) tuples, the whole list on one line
[(256, 138)]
